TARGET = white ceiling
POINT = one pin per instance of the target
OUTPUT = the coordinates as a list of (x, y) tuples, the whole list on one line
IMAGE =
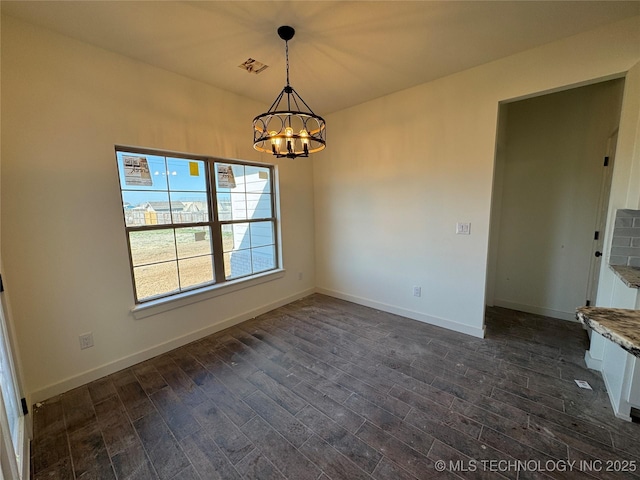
[(344, 53)]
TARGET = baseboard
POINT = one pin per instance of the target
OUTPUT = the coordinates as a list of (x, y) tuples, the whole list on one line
[(130, 360), (421, 317), (26, 457), (592, 363), (547, 312), (617, 408)]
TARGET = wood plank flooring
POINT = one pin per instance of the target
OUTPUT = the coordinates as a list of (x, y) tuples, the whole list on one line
[(325, 389)]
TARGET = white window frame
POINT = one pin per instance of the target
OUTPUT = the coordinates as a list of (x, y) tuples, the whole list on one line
[(220, 284)]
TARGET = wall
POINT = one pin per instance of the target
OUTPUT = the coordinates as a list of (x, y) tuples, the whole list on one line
[(496, 202), (625, 192), (552, 170), (401, 170), (612, 292), (384, 215), (64, 106)]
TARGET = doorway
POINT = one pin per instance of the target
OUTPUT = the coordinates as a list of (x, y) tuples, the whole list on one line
[(551, 188)]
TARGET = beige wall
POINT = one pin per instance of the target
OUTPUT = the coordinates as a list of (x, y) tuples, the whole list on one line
[(385, 201), (552, 173), (400, 171), (65, 105), (625, 191)]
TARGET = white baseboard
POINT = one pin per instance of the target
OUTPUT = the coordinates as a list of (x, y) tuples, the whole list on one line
[(421, 317), (621, 408), (592, 363), (547, 312), (130, 360)]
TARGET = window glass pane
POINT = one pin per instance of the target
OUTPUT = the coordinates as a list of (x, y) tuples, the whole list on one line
[(152, 246), (141, 171), (263, 258), (186, 175), (238, 173), (146, 208), (195, 271), (229, 178), (238, 206), (193, 241), (189, 207), (261, 234), (257, 179), (237, 263), (224, 206), (258, 205), (235, 237), (227, 238), (157, 279)]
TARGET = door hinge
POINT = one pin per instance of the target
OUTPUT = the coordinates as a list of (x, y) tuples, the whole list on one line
[(606, 161), (25, 410), (588, 303), (596, 235), (1, 285)]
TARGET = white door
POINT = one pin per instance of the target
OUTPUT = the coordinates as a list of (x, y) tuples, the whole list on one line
[(601, 219)]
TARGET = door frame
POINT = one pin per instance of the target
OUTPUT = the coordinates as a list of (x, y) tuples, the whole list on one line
[(15, 464), (497, 190), (591, 295)]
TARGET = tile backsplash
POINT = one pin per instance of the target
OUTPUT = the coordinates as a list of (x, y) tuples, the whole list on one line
[(625, 246)]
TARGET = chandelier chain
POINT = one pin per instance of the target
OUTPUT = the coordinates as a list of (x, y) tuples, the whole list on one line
[(286, 54), (286, 50)]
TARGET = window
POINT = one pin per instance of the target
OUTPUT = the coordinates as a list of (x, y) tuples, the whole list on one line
[(195, 221)]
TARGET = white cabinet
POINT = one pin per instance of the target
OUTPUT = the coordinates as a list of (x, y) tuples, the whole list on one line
[(620, 371)]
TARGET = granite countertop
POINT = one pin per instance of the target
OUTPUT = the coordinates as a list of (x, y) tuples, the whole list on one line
[(629, 275), (619, 325)]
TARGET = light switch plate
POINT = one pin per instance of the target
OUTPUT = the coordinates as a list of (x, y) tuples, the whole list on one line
[(463, 228)]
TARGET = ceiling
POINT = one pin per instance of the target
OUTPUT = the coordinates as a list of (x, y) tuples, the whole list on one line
[(344, 53)]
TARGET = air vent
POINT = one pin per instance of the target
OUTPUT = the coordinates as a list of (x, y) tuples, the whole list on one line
[(253, 66)]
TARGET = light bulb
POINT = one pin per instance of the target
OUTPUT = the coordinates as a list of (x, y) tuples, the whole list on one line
[(304, 138), (289, 134), (275, 142)]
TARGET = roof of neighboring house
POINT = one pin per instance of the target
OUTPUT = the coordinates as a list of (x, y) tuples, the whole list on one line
[(164, 206), (196, 206)]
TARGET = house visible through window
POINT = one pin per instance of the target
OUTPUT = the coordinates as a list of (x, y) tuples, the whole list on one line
[(195, 221)]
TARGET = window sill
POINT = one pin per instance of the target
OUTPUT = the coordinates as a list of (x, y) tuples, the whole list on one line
[(161, 305)]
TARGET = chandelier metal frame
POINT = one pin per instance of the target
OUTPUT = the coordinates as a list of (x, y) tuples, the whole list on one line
[(292, 131)]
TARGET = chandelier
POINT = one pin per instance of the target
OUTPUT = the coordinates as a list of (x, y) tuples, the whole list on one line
[(287, 129)]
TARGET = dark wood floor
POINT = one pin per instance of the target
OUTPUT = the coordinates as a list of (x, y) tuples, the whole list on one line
[(325, 389)]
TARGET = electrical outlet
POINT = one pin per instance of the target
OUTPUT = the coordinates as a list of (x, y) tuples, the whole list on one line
[(86, 340), (417, 291), (299, 275)]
